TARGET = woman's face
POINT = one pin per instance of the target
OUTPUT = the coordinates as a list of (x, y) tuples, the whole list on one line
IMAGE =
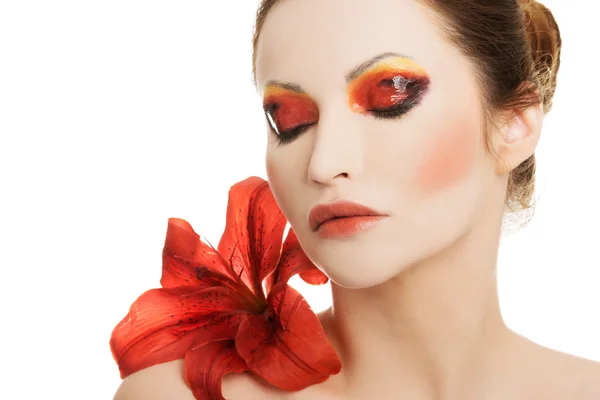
[(402, 134)]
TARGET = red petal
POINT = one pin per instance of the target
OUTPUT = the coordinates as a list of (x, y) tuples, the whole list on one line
[(162, 324), (295, 261), (314, 276), (205, 367), (253, 232), (292, 352), (183, 252)]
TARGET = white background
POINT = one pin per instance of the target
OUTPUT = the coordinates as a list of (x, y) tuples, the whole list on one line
[(116, 115)]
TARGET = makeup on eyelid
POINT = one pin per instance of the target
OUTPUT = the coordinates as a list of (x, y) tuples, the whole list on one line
[(288, 109), (387, 90), (387, 84)]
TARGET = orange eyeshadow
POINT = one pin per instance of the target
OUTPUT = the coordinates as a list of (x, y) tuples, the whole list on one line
[(384, 85), (289, 109)]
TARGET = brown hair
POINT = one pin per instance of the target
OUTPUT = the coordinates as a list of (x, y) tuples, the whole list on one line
[(515, 47)]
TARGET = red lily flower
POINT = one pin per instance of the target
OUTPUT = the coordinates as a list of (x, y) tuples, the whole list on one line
[(213, 311)]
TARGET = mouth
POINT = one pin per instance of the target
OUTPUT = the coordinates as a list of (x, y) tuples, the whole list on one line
[(340, 210), (344, 227), (338, 218)]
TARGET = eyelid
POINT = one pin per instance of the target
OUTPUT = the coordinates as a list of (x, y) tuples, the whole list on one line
[(367, 90), (283, 90), (273, 93), (298, 113), (399, 70), (399, 64)]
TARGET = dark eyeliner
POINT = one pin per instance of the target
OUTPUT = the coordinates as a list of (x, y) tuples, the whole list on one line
[(419, 88), (393, 113), (289, 136), (283, 137)]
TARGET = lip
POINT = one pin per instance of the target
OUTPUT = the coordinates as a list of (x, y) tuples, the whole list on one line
[(346, 216), (347, 226)]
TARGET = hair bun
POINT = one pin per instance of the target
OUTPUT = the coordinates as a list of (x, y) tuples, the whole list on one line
[(545, 43)]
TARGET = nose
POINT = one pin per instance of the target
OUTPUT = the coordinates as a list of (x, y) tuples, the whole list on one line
[(337, 152)]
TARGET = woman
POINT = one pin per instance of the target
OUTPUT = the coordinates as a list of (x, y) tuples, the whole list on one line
[(427, 113)]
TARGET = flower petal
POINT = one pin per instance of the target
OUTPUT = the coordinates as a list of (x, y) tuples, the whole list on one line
[(294, 261), (253, 232), (183, 252), (314, 276), (205, 367), (162, 324), (291, 351)]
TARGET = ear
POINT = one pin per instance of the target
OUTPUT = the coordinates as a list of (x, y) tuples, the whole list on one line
[(517, 139)]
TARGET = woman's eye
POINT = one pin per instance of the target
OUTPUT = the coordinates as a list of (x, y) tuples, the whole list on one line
[(395, 97), (283, 136), (288, 121), (288, 136), (389, 97)]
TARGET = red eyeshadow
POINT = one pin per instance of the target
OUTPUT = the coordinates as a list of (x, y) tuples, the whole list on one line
[(288, 109), (381, 89)]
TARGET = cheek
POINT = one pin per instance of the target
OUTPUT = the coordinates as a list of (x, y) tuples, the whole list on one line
[(273, 177), (450, 158), (277, 181), (269, 168)]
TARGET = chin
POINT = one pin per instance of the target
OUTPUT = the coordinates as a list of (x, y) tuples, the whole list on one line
[(358, 282), (360, 270), (373, 262)]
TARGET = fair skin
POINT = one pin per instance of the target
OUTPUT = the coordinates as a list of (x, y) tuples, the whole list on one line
[(415, 308)]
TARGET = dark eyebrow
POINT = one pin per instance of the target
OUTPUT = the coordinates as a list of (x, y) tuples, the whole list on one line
[(286, 85), (357, 71), (350, 76)]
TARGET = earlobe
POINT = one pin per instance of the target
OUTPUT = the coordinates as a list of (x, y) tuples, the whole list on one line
[(518, 138)]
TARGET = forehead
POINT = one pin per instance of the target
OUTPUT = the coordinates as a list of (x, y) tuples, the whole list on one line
[(315, 43)]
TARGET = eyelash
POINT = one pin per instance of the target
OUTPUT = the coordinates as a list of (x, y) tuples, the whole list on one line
[(395, 112), (387, 114), (289, 136)]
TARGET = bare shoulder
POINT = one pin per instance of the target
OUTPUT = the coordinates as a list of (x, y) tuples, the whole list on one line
[(582, 376), (565, 376), (159, 382), (165, 382)]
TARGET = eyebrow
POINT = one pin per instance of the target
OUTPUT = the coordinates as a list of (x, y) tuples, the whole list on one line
[(350, 76), (360, 69), (286, 85)]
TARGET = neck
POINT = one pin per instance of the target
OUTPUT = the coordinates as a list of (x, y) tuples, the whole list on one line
[(435, 328)]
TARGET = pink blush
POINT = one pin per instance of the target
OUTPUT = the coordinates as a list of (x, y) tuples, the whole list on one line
[(450, 158)]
